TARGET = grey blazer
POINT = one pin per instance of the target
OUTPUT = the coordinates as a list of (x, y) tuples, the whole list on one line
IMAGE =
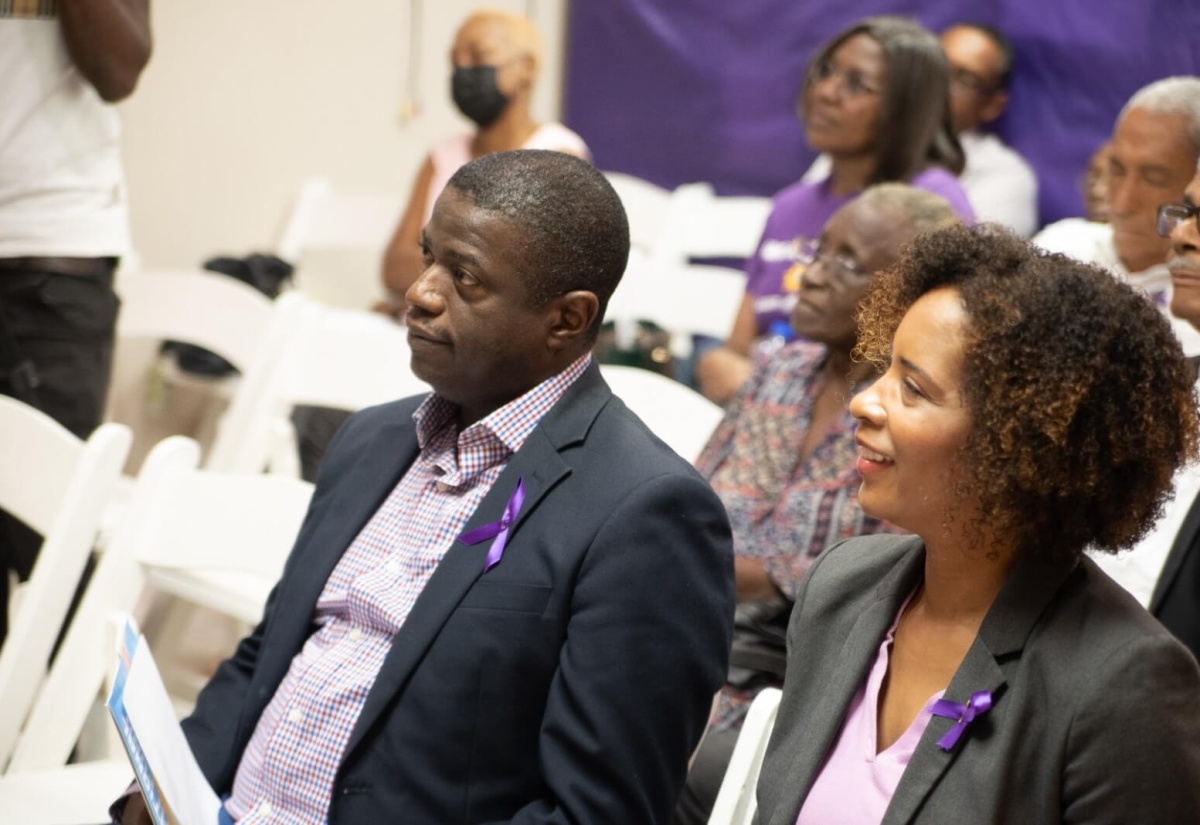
[(1096, 714)]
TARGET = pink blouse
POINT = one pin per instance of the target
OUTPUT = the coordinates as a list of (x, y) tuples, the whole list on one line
[(856, 782)]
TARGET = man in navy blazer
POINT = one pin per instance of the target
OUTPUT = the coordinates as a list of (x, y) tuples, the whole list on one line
[(560, 655)]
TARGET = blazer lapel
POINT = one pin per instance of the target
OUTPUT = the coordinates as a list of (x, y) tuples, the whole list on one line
[(1187, 536), (539, 464), (1029, 588), (857, 655)]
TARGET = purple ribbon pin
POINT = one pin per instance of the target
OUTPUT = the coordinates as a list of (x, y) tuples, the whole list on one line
[(497, 529), (980, 702)]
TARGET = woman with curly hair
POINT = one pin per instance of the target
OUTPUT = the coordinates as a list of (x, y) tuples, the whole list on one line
[(985, 670)]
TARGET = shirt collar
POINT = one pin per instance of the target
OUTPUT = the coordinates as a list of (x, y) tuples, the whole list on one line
[(510, 424)]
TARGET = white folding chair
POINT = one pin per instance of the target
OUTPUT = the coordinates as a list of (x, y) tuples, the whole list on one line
[(645, 204), (225, 316), (701, 224), (737, 801), (58, 485), (218, 539), (684, 299), (681, 417), (340, 358), (336, 239)]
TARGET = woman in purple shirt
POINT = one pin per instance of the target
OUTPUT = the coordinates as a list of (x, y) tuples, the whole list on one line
[(876, 101)]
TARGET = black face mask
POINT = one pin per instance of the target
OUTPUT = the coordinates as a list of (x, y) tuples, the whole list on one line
[(475, 93)]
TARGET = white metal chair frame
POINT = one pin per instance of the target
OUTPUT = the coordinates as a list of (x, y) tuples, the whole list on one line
[(216, 538), (59, 486), (737, 801)]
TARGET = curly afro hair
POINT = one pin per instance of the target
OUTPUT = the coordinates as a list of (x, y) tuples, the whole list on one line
[(1082, 401)]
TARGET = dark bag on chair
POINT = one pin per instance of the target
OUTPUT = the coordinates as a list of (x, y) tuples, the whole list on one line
[(759, 654), (266, 273)]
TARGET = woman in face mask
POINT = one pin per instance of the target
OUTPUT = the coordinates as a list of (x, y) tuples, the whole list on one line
[(495, 60)]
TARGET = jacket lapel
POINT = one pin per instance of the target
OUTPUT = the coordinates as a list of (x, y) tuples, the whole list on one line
[(1188, 533), (539, 464), (855, 659), (1028, 590)]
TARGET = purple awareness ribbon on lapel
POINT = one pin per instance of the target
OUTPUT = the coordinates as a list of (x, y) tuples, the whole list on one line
[(497, 529), (980, 702)]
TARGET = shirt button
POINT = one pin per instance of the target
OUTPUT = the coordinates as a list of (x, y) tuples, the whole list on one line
[(355, 634), (392, 567), (295, 715), (265, 808)]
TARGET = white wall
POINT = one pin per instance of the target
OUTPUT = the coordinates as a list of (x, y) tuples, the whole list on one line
[(244, 99)]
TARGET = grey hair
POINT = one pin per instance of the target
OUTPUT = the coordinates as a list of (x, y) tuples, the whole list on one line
[(924, 210), (1178, 95)]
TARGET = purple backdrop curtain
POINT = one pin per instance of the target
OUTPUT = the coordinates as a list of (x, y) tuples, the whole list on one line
[(676, 91)]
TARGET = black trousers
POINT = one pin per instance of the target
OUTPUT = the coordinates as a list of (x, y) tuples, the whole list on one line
[(65, 325)]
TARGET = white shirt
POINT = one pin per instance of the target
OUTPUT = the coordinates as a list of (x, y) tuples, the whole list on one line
[(62, 190), (1000, 185), (1092, 243), (1138, 569)]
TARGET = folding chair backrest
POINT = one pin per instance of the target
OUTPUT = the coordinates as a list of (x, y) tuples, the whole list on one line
[(58, 485), (336, 239), (185, 525), (737, 801), (701, 224), (645, 204), (680, 416)]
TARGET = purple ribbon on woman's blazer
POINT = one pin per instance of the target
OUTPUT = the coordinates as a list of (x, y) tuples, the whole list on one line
[(497, 529), (980, 702)]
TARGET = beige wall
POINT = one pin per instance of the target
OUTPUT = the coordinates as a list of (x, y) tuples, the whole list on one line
[(244, 100)]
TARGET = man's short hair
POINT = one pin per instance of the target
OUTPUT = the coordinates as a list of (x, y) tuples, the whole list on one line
[(576, 235), (923, 210), (1003, 45), (1178, 95)]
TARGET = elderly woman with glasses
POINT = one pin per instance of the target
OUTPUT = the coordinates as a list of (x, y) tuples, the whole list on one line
[(875, 99), (1029, 407), (782, 458)]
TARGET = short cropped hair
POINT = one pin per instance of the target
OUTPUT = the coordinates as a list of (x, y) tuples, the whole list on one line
[(916, 98), (1082, 403), (576, 235), (1178, 95), (923, 210)]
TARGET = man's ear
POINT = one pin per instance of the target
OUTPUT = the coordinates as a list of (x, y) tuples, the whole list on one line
[(995, 106), (574, 314)]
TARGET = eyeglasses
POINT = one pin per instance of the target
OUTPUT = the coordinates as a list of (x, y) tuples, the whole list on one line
[(962, 80), (1171, 215), (839, 266), (851, 83)]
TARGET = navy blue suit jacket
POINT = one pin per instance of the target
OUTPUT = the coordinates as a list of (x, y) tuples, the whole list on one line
[(569, 683)]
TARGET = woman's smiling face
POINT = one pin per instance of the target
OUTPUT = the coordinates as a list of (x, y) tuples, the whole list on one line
[(913, 421)]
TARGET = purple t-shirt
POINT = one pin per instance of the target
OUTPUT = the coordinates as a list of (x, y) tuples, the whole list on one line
[(801, 211)]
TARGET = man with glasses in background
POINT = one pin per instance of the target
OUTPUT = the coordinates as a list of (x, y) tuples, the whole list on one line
[(1000, 186), (1163, 570)]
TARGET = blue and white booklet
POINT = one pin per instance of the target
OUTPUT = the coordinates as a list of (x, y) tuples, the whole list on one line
[(172, 783)]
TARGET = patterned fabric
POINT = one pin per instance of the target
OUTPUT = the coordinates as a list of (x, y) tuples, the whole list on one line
[(287, 772), (784, 513)]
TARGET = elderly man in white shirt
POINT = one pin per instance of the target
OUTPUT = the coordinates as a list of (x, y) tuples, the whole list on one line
[(1155, 147), (1000, 185), (1163, 570)]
